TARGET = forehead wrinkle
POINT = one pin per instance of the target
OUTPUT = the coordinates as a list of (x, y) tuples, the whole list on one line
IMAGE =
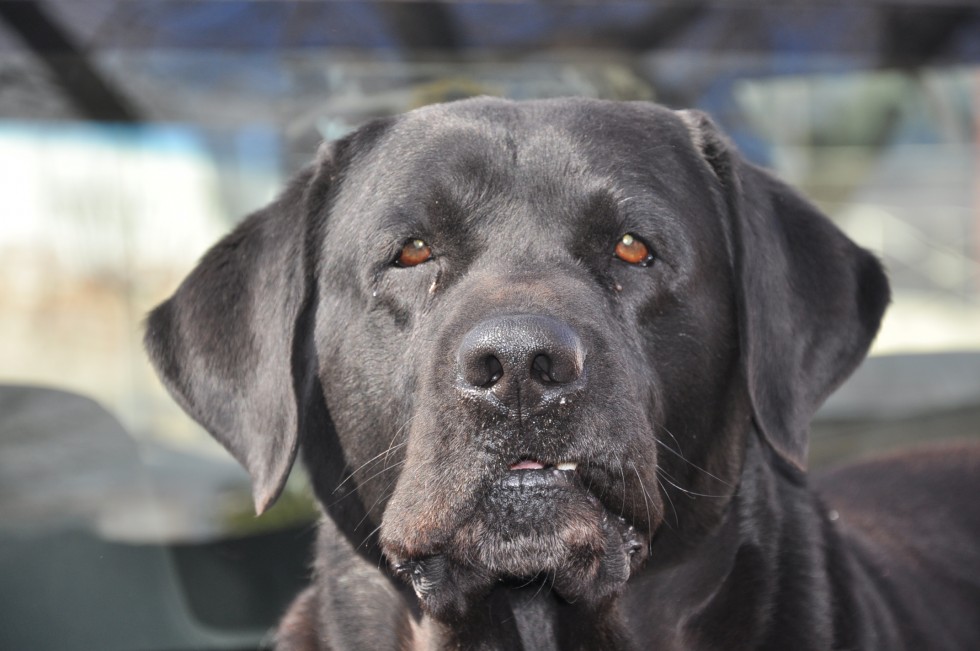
[(409, 151), (521, 142), (474, 166)]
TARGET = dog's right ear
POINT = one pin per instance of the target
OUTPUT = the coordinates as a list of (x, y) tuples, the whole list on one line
[(225, 343)]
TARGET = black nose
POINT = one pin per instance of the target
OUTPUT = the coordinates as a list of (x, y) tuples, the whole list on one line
[(521, 361)]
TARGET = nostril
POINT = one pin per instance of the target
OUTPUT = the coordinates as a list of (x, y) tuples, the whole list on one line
[(479, 368), (541, 369), (495, 371)]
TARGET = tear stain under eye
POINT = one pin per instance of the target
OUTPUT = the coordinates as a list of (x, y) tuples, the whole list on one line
[(435, 283), (375, 281)]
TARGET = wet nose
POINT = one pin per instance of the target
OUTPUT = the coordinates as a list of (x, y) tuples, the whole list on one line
[(522, 361)]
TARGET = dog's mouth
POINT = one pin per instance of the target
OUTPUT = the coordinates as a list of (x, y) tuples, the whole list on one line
[(530, 464), (537, 521), (532, 486)]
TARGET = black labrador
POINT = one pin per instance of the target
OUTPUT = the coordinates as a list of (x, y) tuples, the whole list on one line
[(551, 366)]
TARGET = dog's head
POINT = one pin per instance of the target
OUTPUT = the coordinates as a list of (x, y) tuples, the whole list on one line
[(541, 331)]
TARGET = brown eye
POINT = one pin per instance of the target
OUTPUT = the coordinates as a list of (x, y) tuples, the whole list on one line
[(632, 249), (414, 252)]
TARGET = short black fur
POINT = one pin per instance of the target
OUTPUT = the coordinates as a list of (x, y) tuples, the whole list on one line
[(630, 471)]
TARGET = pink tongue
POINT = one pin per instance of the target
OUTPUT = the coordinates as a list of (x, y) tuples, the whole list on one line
[(527, 465)]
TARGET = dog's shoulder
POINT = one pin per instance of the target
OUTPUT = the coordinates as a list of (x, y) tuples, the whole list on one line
[(933, 485), (910, 522)]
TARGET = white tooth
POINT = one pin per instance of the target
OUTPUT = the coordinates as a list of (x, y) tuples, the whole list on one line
[(567, 465)]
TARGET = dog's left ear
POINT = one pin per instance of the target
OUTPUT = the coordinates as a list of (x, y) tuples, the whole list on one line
[(810, 301), (225, 343)]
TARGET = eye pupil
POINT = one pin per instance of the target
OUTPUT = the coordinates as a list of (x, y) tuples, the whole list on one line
[(632, 250), (414, 252)]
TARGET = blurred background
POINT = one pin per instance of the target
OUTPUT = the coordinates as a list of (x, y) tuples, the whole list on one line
[(134, 133)]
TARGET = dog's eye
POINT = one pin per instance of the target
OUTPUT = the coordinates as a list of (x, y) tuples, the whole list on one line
[(633, 250), (414, 252)]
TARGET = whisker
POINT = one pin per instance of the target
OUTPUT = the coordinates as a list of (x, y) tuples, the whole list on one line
[(673, 508), (391, 448), (554, 579), (399, 431), (643, 490), (684, 459), (380, 472), (368, 537), (541, 587), (622, 504), (690, 493), (384, 470), (376, 458), (385, 494)]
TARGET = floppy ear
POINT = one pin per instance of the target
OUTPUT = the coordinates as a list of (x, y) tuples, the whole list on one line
[(810, 300), (224, 344)]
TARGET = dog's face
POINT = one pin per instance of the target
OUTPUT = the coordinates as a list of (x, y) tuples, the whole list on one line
[(528, 322), (523, 308)]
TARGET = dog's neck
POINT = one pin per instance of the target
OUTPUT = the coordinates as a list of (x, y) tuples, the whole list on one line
[(692, 594), (696, 593), (772, 576)]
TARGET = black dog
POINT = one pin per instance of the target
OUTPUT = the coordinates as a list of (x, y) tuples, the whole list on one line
[(551, 366)]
